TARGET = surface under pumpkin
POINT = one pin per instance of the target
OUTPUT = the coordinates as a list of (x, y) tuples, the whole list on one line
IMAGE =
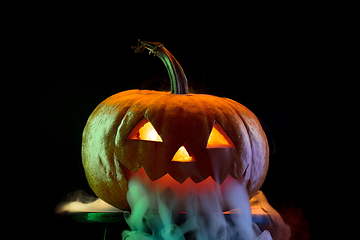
[(171, 139)]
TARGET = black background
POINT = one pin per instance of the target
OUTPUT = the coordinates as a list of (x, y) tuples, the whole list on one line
[(271, 65)]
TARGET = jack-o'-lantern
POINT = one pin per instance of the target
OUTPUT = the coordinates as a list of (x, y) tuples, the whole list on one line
[(172, 139)]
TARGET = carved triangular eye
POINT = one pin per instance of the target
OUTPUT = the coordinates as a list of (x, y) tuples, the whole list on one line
[(145, 131), (218, 138)]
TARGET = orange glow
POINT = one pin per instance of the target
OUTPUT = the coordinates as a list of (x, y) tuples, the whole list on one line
[(219, 139), (181, 189), (148, 132), (182, 156), (145, 131)]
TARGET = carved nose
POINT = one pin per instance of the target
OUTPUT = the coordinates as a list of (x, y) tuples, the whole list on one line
[(182, 155)]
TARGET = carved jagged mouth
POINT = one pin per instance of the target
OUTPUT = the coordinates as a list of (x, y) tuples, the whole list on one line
[(184, 188)]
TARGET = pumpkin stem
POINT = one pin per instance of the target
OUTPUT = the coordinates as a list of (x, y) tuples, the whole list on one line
[(178, 81)]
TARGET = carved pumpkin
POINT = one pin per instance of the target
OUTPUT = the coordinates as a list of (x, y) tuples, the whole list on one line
[(171, 139)]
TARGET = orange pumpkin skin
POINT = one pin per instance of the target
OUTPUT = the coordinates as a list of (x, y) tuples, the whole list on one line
[(111, 156), (180, 119)]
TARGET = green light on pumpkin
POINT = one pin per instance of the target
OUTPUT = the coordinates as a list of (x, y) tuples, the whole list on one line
[(98, 217)]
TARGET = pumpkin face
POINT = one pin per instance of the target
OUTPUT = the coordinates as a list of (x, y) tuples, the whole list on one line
[(181, 141)]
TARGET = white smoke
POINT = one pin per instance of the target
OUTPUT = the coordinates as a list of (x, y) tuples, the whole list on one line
[(153, 214), (152, 217), (80, 201)]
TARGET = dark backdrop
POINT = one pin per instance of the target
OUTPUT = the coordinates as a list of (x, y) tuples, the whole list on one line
[(74, 65)]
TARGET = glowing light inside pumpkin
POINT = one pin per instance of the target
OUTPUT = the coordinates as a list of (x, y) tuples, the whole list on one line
[(219, 139), (148, 132), (145, 131), (182, 156), (181, 189)]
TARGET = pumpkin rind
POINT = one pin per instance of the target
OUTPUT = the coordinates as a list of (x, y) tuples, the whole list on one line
[(180, 120)]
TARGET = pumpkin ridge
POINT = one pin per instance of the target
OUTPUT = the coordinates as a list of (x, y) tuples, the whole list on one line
[(230, 105), (214, 114), (248, 178), (159, 114), (129, 103), (203, 108), (119, 139), (254, 162), (235, 172)]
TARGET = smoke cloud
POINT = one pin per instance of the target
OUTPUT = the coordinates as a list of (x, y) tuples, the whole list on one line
[(152, 215), (80, 201)]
